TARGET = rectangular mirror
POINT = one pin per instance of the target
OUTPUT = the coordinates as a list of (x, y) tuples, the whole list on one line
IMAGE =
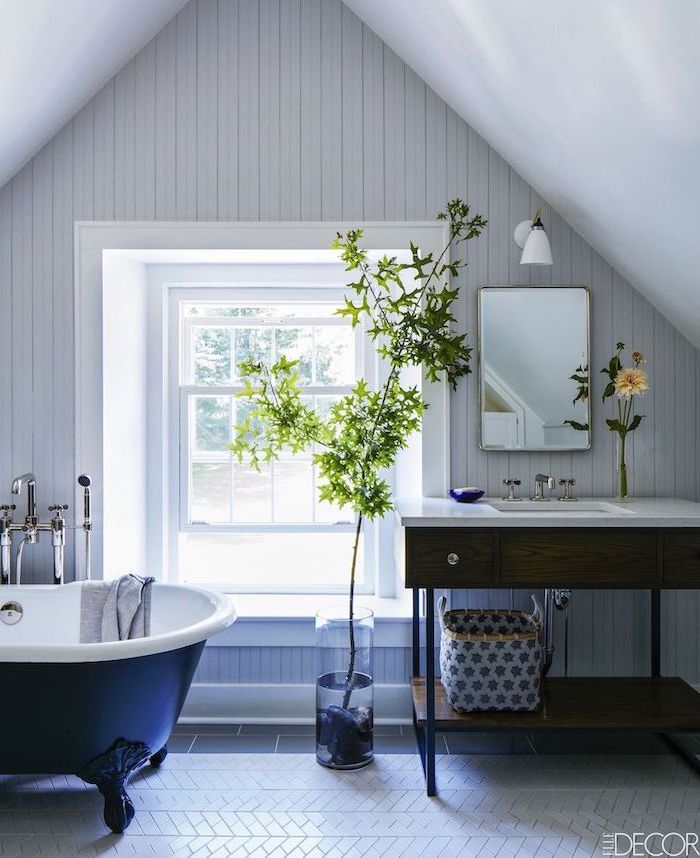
[(533, 368)]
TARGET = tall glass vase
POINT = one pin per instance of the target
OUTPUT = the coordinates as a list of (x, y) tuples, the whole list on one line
[(344, 688), (621, 469)]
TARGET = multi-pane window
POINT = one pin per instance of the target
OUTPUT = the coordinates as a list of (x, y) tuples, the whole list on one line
[(259, 530)]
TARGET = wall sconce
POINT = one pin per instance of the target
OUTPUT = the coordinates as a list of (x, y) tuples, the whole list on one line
[(530, 235)]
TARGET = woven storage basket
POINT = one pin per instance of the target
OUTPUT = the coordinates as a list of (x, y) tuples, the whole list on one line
[(491, 660)]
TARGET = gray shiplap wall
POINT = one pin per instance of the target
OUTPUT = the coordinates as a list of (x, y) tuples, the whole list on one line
[(294, 110)]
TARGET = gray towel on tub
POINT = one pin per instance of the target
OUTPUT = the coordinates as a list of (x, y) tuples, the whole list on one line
[(115, 610)]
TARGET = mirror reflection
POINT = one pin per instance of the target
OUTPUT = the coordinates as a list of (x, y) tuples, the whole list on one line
[(533, 363)]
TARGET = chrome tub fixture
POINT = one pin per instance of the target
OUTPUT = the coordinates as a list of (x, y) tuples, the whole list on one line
[(32, 528)]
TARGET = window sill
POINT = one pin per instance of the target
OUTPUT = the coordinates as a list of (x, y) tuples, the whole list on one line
[(284, 620)]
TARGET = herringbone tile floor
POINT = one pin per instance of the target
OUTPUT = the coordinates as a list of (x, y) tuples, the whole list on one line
[(283, 806)]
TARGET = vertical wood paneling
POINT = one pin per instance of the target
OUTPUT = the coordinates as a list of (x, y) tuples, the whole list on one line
[(124, 143), (331, 117), (165, 114), (310, 108), (227, 114), (145, 133), (457, 167), (289, 109), (414, 143), (352, 116), (269, 107), (476, 254), (186, 112), (22, 314), (394, 138), (207, 108), (372, 125), (6, 319)]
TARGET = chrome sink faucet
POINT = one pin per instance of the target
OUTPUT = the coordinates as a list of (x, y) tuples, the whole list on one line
[(540, 481)]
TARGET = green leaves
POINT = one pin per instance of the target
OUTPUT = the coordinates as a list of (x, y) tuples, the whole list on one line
[(581, 427), (582, 380), (611, 370), (616, 426), (636, 420), (406, 309)]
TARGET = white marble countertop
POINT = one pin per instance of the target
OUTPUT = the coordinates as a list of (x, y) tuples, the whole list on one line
[(586, 512)]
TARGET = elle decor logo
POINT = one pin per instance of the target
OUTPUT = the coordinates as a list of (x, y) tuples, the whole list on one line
[(654, 845)]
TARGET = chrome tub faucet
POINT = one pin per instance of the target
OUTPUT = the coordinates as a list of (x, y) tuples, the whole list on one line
[(31, 519), (32, 528)]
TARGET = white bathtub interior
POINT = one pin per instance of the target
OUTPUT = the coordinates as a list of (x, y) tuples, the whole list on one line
[(50, 623)]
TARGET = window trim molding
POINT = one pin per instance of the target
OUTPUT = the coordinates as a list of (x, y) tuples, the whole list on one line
[(181, 242)]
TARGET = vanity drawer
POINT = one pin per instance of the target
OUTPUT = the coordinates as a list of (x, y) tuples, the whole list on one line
[(450, 557), (682, 557), (589, 558)]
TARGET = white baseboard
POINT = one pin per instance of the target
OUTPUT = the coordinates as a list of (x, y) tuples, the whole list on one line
[(229, 703)]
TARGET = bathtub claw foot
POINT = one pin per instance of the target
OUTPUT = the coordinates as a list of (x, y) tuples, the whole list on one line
[(158, 758), (110, 772), (119, 810)]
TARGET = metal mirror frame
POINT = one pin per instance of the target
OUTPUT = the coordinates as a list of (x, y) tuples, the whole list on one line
[(479, 337)]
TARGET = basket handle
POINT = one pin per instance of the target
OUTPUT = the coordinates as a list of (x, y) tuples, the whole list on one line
[(536, 615), (441, 605)]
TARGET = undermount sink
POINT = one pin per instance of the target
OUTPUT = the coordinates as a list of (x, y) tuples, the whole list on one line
[(555, 507)]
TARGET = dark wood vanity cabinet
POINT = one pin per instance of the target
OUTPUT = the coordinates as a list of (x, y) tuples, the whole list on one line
[(630, 558), (452, 555), (583, 557), (681, 557)]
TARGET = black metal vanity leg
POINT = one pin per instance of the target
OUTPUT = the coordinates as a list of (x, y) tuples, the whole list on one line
[(430, 691), (110, 772), (416, 632), (656, 632), (159, 757)]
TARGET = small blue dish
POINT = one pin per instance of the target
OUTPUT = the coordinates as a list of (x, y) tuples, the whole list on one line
[(466, 495)]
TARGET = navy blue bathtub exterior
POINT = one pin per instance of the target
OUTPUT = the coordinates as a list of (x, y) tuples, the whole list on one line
[(58, 717)]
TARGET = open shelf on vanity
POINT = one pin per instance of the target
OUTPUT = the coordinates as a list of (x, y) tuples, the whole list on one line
[(647, 704)]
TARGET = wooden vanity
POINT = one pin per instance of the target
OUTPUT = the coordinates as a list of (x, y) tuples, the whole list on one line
[(649, 544)]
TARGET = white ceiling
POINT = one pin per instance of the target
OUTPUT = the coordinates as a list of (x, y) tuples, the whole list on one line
[(55, 55), (596, 104)]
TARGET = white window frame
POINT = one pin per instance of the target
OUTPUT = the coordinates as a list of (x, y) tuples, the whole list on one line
[(172, 243), (366, 365)]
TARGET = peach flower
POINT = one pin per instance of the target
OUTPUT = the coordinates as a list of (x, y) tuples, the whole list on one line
[(631, 382)]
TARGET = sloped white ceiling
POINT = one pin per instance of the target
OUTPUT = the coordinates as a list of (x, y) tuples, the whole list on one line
[(595, 103), (55, 55)]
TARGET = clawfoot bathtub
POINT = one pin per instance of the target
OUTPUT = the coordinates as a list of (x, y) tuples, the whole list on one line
[(97, 710)]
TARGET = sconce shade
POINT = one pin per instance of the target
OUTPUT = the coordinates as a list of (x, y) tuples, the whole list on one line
[(537, 250)]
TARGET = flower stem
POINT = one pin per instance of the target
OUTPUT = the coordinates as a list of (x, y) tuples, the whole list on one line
[(622, 468)]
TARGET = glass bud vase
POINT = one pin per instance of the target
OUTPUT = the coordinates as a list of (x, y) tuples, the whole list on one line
[(621, 469), (344, 688)]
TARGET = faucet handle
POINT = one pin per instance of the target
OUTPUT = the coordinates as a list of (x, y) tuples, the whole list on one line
[(511, 483), (8, 506), (568, 485), (57, 507)]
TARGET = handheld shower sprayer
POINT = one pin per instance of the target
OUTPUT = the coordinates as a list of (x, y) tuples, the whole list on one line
[(85, 481)]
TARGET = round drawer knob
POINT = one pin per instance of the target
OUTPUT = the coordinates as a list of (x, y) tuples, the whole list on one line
[(453, 559)]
